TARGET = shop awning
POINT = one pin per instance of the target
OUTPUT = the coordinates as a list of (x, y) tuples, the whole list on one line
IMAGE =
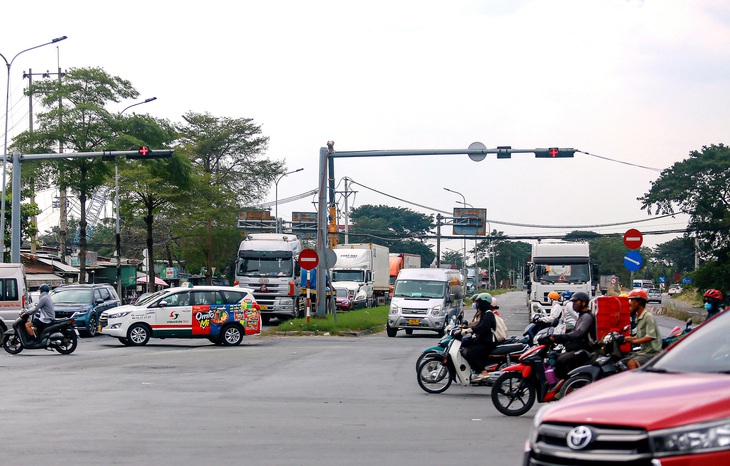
[(35, 280)]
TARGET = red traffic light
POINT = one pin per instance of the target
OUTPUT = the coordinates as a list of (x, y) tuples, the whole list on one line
[(554, 153), (145, 152)]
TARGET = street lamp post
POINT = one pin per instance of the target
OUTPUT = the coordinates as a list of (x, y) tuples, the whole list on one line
[(5, 151), (118, 235), (276, 195)]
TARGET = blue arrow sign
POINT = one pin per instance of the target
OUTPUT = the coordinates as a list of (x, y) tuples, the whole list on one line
[(662, 279), (633, 261)]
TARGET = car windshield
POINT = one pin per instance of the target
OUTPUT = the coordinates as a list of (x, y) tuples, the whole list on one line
[(72, 296), (419, 289), (568, 273), (145, 299), (706, 349), (341, 292)]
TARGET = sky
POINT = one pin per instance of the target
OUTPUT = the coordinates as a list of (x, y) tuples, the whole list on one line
[(639, 82)]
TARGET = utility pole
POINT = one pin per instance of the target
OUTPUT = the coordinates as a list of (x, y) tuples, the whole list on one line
[(29, 75)]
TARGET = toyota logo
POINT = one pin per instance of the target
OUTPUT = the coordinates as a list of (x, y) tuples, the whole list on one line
[(579, 437)]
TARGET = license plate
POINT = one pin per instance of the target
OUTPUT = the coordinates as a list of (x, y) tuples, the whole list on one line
[(99, 328), (414, 321), (262, 307)]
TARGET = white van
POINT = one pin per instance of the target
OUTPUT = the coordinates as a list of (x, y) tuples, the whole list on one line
[(13, 293), (645, 285), (425, 299)]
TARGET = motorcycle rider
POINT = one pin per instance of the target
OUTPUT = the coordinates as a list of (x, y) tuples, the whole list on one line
[(647, 331), (556, 311), (569, 317), (577, 342), (713, 302), (42, 315), (483, 343)]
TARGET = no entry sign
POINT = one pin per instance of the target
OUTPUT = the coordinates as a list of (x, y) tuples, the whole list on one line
[(633, 239), (308, 259)]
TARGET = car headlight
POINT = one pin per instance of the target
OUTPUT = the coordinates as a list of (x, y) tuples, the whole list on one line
[(119, 314), (436, 311), (80, 313), (394, 310), (694, 438)]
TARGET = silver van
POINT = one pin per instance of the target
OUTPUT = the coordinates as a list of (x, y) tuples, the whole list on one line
[(13, 293), (425, 299)]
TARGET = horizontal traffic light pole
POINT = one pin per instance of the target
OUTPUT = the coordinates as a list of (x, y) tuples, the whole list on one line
[(143, 152)]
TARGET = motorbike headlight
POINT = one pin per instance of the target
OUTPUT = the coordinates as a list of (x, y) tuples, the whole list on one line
[(436, 311), (694, 438), (119, 315), (394, 310)]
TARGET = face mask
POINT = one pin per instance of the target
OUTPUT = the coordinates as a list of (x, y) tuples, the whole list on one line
[(708, 306)]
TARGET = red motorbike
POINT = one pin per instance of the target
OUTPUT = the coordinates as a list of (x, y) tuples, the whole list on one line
[(531, 379)]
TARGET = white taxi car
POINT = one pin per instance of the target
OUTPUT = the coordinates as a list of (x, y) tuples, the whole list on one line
[(222, 314)]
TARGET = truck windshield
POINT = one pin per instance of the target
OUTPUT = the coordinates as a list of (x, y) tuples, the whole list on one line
[(347, 276), (265, 267), (556, 273), (419, 289)]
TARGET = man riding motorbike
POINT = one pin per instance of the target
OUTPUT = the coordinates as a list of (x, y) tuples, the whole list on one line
[(43, 314), (578, 342)]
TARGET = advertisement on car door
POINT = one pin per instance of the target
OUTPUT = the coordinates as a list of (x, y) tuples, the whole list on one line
[(210, 319)]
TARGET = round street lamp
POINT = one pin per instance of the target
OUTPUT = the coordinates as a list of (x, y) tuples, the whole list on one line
[(5, 151), (276, 195)]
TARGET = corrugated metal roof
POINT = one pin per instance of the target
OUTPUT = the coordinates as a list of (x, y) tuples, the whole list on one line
[(59, 265)]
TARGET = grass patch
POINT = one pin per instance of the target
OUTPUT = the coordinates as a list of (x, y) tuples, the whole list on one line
[(348, 323), (370, 320)]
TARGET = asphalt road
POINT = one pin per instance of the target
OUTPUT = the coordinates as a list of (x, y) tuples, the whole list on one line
[(272, 400)]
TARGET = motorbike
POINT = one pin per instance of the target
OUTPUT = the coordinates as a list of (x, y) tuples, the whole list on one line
[(605, 361), (59, 335), (532, 379), (438, 370)]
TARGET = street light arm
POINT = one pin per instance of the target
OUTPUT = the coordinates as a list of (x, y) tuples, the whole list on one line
[(138, 103), (57, 39)]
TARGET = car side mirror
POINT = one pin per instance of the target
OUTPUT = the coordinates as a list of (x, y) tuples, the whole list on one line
[(99, 301), (162, 303)]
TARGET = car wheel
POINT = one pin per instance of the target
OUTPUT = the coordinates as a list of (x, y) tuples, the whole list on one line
[(92, 327), (232, 335), (512, 395), (390, 330), (434, 376), (138, 335), (69, 343)]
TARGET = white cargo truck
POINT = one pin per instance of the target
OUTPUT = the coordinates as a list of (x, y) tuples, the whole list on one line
[(557, 266), (267, 264), (364, 270)]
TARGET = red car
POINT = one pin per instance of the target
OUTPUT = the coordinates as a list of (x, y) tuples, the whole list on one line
[(673, 411), (344, 300)]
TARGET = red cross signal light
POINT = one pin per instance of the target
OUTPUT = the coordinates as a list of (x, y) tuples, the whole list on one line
[(554, 153), (145, 152)]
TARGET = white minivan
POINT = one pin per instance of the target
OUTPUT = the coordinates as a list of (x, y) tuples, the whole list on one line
[(13, 293), (425, 299), (222, 314)]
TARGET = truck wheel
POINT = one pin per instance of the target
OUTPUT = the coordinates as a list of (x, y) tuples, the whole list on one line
[(391, 331)]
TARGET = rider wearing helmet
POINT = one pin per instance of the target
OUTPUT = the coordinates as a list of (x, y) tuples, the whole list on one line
[(43, 313), (713, 302), (647, 331), (578, 342), (569, 317), (483, 343), (556, 311)]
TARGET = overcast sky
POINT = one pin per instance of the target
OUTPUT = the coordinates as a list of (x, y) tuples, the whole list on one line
[(642, 82)]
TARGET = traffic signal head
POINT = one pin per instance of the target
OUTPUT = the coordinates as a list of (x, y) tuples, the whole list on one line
[(554, 152), (145, 152)]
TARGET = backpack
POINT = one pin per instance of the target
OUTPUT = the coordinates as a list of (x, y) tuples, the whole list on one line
[(500, 331)]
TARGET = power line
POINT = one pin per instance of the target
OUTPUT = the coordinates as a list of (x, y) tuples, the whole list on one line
[(619, 161)]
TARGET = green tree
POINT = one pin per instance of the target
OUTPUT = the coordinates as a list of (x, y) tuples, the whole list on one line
[(399, 229), (75, 116), (229, 171), (698, 186), (678, 254)]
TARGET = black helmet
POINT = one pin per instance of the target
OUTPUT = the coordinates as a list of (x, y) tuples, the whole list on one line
[(580, 296), (44, 288)]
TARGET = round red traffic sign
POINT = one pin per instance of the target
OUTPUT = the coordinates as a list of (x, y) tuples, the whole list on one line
[(308, 259), (633, 239)]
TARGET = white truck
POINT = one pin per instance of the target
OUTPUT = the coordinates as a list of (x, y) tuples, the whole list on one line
[(364, 270), (267, 264), (558, 266)]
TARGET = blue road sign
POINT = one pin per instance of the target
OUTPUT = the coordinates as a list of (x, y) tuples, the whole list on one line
[(662, 279), (633, 261), (687, 280)]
